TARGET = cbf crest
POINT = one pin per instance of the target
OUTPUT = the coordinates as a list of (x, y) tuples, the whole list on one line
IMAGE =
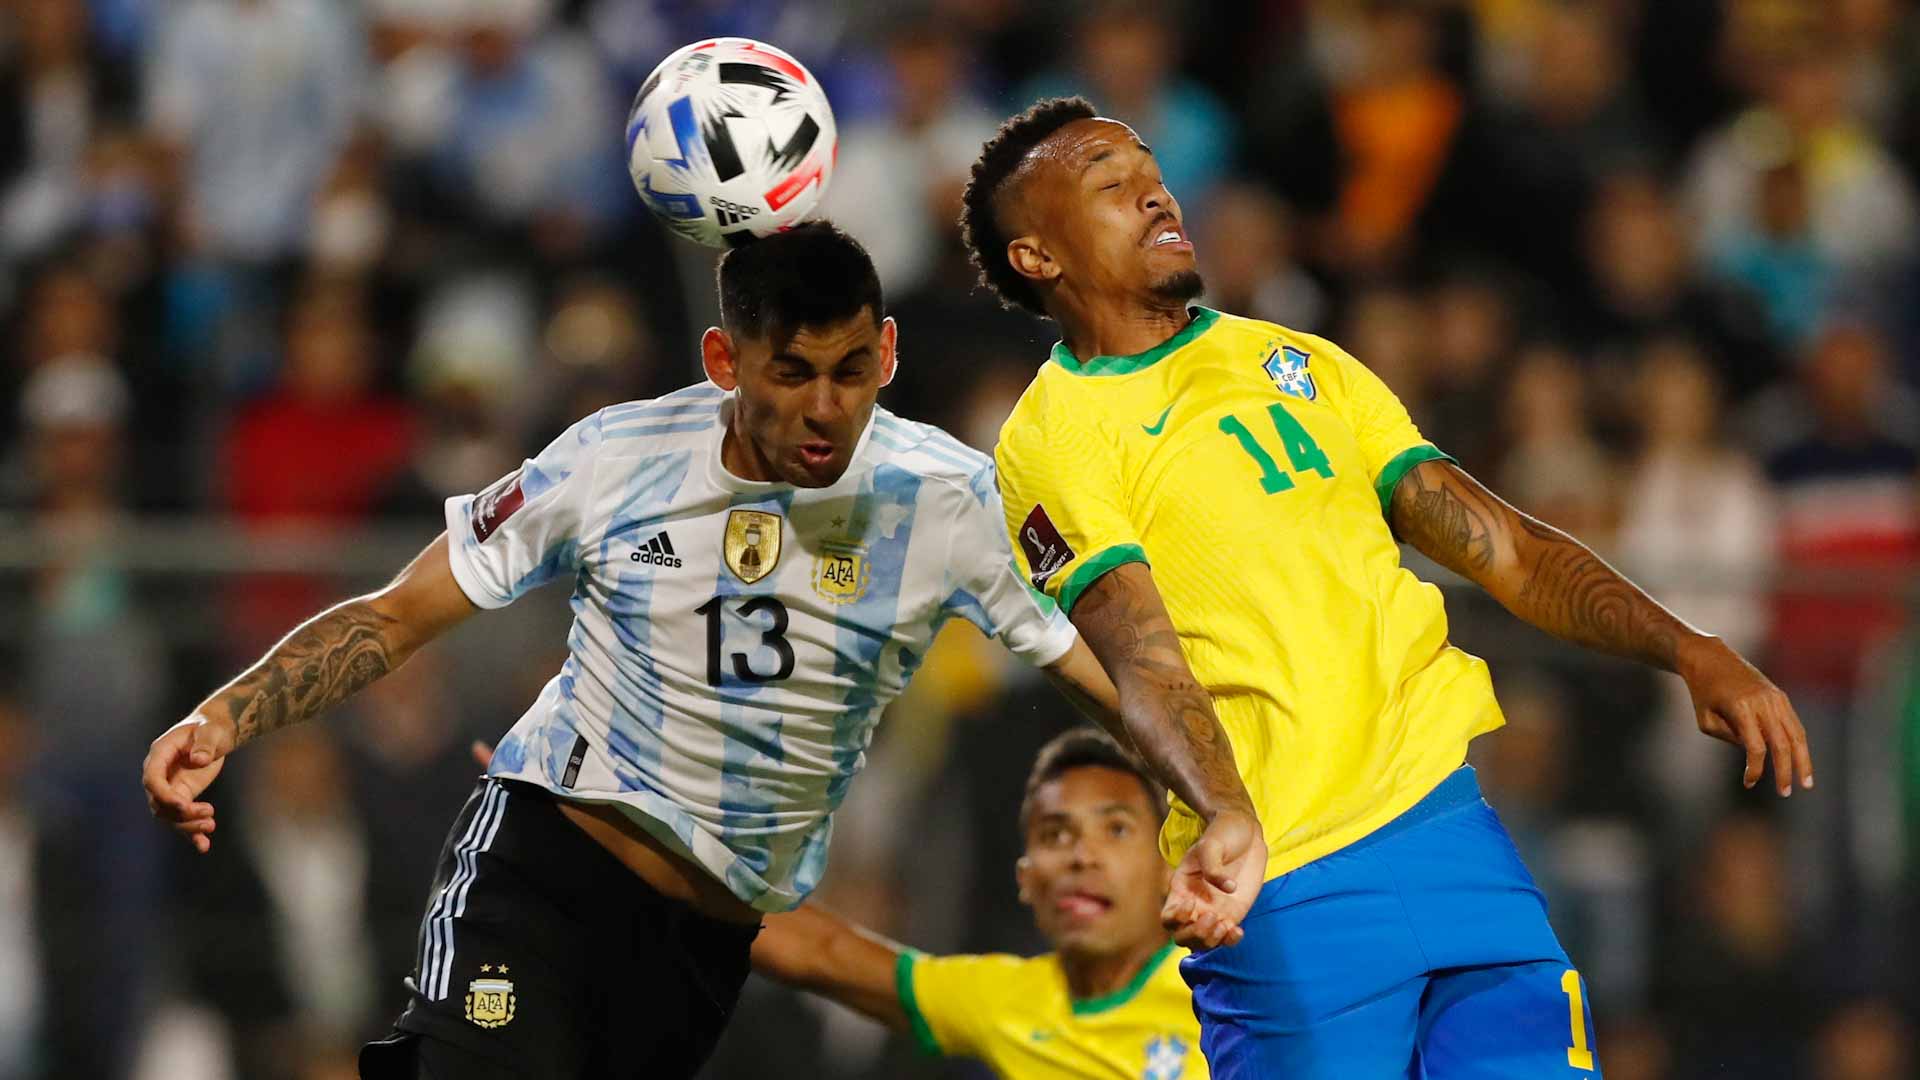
[(1287, 367), (1166, 1058), (752, 544), (841, 573), (490, 1001)]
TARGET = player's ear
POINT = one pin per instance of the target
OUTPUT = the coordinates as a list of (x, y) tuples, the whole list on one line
[(718, 357), (1022, 876), (889, 340), (1030, 259)]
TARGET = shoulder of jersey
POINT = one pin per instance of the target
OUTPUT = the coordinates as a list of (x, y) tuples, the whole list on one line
[(1003, 968), (1244, 326), (685, 412), (1293, 358), (927, 450)]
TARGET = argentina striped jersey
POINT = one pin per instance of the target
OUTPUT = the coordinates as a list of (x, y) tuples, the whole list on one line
[(734, 642)]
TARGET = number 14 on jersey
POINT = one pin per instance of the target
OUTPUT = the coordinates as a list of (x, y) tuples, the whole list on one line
[(1303, 453)]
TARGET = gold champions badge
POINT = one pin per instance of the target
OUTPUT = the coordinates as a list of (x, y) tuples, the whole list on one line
[(752, 544), (840, 572), (490, 1001)]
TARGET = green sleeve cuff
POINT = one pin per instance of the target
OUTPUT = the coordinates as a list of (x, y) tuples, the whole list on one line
[(1389, 477), (1090, 571), (903, 985)]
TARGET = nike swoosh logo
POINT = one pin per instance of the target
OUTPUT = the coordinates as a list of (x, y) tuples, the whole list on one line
[(1158, 425)]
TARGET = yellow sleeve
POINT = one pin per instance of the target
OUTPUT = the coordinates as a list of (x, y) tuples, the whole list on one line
[(948, 1000), (1388, 439), (1065, 504)]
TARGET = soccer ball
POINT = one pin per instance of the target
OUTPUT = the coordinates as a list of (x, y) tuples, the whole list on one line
[(730, 139)]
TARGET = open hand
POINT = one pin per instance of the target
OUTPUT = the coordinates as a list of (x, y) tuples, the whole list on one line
[(1216, 882), (179, 766), (1735, 703)]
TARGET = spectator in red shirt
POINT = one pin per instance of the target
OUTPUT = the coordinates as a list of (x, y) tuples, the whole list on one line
[(319, 447), (1850, 519), (316, 451)]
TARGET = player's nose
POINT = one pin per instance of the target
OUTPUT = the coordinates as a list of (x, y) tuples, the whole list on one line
[(824, 404)]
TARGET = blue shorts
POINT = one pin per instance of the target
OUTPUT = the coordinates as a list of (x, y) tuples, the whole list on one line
[(1420, 951)]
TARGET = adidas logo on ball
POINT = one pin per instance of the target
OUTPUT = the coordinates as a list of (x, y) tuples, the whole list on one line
[(732, 213), (657, 552)]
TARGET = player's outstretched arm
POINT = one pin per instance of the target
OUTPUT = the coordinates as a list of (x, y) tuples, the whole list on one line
[(321, 663), (818, 951), (1080, 678), (1167, 716), (1559, 585)]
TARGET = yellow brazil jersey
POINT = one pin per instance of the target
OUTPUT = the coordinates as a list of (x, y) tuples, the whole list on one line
[(1015, 1014), (1250, 466)]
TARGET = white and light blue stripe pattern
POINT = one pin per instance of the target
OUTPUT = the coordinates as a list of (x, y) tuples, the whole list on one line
[(739, 775)]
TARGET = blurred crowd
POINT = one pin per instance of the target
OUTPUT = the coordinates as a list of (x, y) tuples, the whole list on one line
[(304, 268)]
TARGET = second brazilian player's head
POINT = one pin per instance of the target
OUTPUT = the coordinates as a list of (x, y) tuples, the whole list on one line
[(1092, 871), (805, 342), (1066, 211)]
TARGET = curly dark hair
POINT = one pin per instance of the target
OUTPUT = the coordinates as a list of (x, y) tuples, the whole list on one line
[(979, 224)]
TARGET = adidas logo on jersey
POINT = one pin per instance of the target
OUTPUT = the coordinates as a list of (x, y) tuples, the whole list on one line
[(657, 552)]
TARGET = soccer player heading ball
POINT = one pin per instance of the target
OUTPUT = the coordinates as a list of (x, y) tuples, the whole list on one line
[(758, 562), (1215, 502)]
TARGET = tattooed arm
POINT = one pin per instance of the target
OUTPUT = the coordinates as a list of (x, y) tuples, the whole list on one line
[(1167, 716), (321, 663), (1556, 583)]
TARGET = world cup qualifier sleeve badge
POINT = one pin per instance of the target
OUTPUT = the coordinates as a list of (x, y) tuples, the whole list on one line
[(490, 1000), (1287, 367)]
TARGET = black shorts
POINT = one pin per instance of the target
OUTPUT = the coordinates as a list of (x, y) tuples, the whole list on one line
[(541, 955)]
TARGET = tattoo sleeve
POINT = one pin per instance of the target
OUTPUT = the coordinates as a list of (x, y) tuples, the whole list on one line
[(1166, 714), (1536, 571), (320, 664)]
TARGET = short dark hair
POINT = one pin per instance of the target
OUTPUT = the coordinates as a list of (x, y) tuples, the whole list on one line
[(1085, 747), (980, 226), (810, 275)]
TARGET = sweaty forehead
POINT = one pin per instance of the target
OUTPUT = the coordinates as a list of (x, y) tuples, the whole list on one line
[(1061, 156), (1076, 145)]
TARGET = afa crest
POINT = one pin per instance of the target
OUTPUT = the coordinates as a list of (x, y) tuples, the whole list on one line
[(490, 1002), (841, 573), (1166, 1058), (1287, 367)]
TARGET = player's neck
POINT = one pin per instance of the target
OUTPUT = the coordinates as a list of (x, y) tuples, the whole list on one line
[(741, 456), (1114, 327), (1090, 977)]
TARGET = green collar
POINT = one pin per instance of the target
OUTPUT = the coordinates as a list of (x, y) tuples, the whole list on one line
[(1127, 365), (1128, 992)]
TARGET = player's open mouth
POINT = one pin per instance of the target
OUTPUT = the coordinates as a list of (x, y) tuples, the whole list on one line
[(816, 454), (1082, 905), (1172, 237)]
